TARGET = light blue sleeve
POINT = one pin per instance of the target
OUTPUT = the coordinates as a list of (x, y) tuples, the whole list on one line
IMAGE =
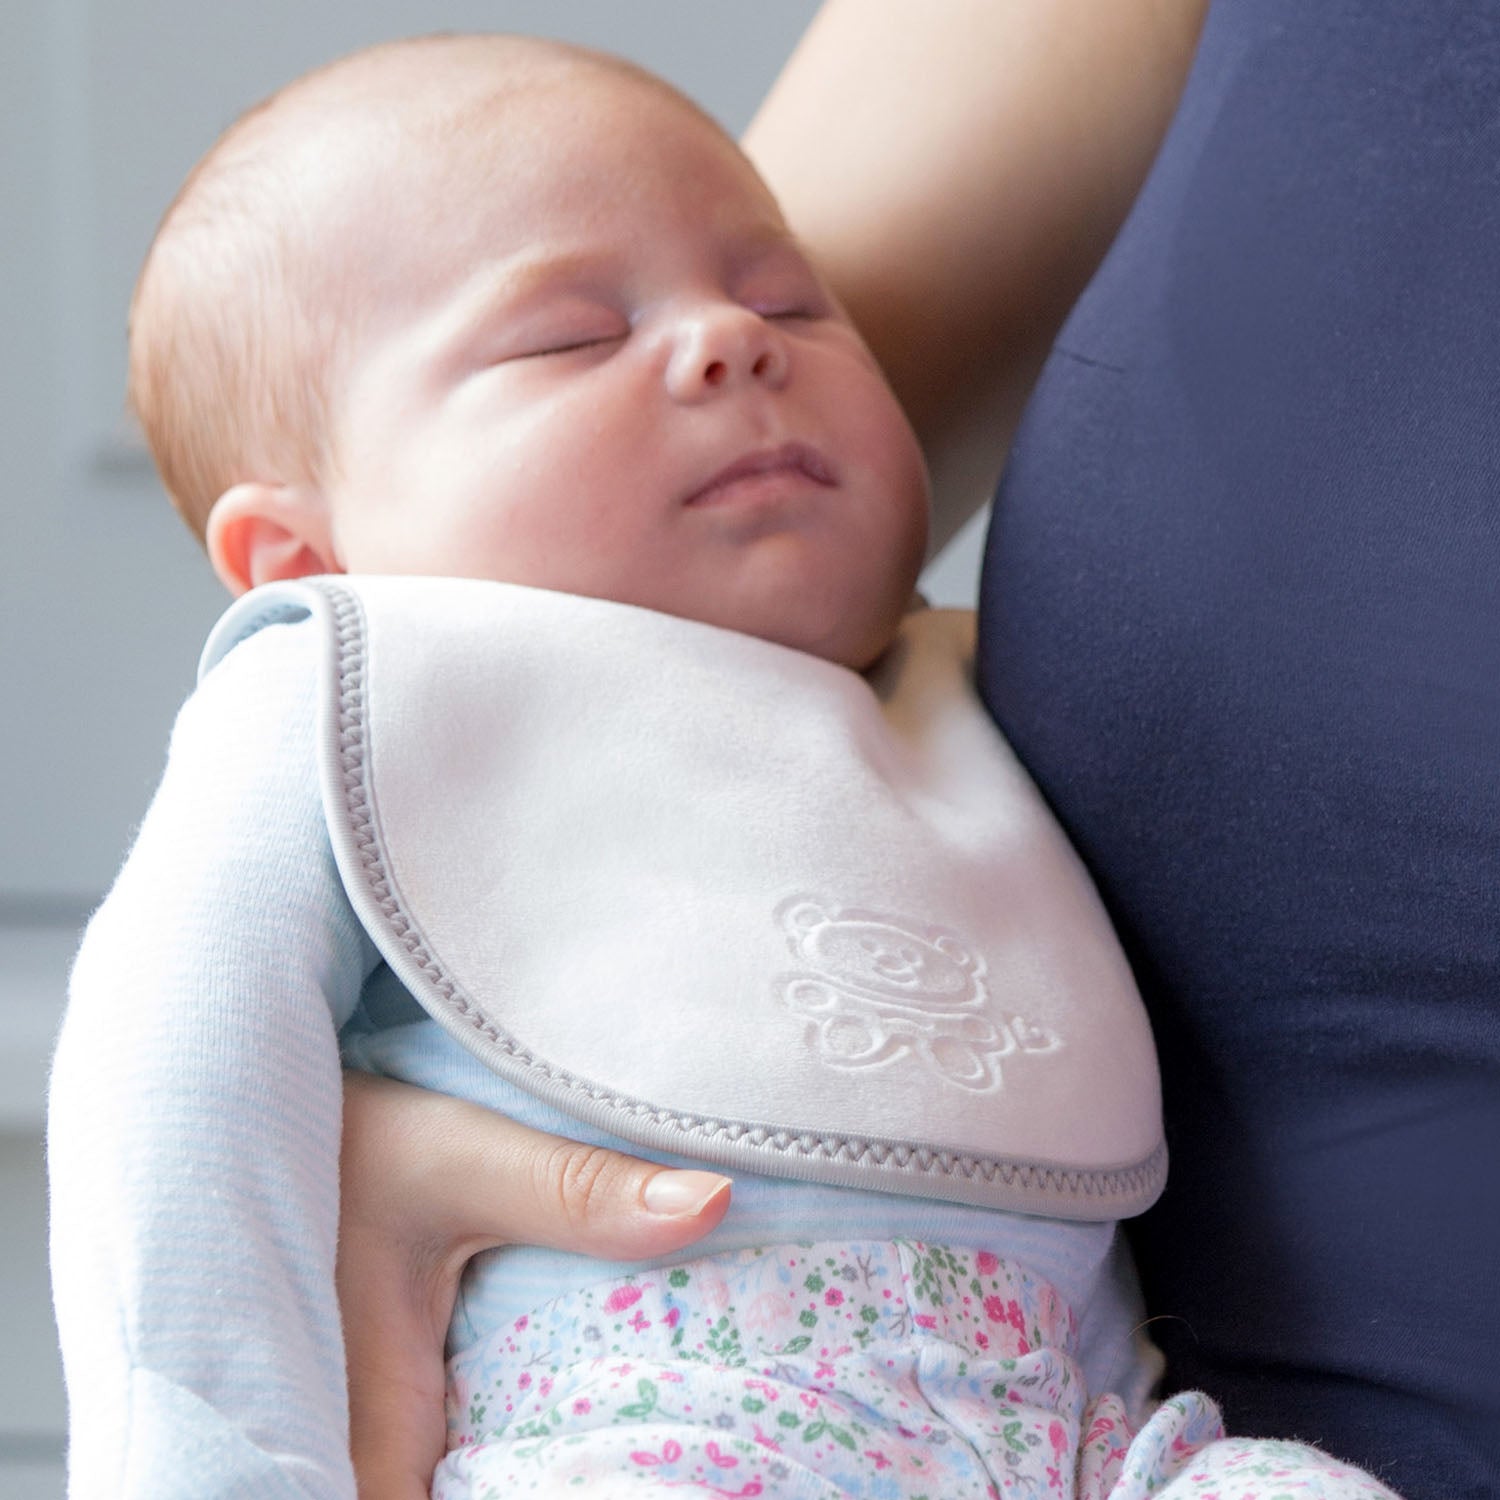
[(195, 1115)]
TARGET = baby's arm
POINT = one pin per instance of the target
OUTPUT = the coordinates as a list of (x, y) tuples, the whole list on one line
[(195, 1117)]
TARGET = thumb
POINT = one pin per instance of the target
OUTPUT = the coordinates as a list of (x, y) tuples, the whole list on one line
[(593, 1201), (448, 1179)]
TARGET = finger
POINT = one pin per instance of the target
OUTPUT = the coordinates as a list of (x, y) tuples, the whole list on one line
[(601, 1203), (530, 1188), (448, 1178)]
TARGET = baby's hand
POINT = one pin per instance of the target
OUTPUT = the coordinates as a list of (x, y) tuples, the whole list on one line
[(427, 1182)]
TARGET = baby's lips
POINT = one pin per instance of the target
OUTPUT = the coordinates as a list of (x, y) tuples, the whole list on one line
[(791, 457)]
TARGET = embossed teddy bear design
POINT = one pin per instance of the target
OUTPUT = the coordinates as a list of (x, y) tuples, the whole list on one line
[(878, 989)]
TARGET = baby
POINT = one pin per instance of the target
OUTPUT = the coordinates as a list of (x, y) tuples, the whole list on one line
[(578, 752)]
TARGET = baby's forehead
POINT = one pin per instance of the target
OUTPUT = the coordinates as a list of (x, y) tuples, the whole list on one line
[(451, 109), (443, 87)]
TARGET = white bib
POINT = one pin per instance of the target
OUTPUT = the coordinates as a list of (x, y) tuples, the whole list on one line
[(727, 899)]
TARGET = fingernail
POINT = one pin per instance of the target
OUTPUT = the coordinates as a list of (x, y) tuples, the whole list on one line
[(677, 1194)]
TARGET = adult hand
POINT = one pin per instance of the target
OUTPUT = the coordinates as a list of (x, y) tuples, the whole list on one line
[(427, 1182)]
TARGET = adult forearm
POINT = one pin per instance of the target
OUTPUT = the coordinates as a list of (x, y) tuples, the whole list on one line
[(959, 169)]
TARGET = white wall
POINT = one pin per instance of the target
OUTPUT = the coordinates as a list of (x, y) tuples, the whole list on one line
[(103, 596)]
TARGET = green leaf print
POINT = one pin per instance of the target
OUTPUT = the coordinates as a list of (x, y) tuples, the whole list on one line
[(646, 1405), (725, 1343)]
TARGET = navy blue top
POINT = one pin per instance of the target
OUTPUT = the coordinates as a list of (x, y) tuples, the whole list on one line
[(1240, 618)]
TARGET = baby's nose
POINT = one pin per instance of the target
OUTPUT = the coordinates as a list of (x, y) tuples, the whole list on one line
[(723, 347)]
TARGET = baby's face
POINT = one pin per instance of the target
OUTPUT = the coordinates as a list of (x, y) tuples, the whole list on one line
[(609, 370)]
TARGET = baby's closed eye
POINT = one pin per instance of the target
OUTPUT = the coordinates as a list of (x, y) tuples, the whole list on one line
[(563, 331)]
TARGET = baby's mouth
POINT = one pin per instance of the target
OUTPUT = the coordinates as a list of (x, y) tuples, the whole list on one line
[(765, 473)]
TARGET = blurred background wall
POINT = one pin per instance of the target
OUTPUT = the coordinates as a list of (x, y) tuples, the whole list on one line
[(104, 597)]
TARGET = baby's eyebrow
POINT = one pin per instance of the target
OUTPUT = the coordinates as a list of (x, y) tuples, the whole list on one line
[(771, 244), (514, 281), (533, 271)]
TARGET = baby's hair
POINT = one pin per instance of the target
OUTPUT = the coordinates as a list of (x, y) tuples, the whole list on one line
[(228, 374), (237, 327)]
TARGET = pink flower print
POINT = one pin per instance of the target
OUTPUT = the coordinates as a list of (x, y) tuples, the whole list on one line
[(763, 1311), (522, 1322), (1057, 1435), (621, 1298), (582, 1406), (987, 1262), (670, 1453), (994, 1309), (833, 1296), (523, 1380), (982, 1338), (673, 1317), (877, 1458), (925, 1320), (719, 1459), (639, 1321), (909, 1461), (1102, 1427)]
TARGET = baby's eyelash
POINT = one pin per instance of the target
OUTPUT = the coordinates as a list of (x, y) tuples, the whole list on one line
[(571, 346), (790, 312)]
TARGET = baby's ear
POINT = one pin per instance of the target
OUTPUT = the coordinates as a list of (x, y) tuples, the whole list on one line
[(260, 533)]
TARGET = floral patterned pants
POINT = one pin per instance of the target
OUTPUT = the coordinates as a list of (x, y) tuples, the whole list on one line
[(891, 1370)]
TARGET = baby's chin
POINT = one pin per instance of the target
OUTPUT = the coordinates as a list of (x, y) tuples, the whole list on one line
[(856, 640)]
